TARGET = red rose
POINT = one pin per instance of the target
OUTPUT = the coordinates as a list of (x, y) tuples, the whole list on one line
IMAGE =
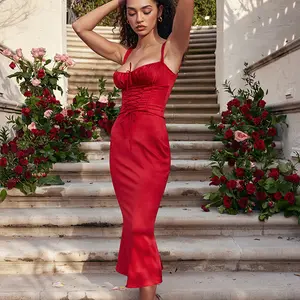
[(12, 65), (257, 120), (290, 197), (70, 112), (223, 179), (226, 113), (23, 162), (46, 92), (30, 150), (259, 173), (234, 102), (13, 146), (272, 131), (250, 187), (18, 169), (41, 73), (59, 117), (231, 184), (215, 181), (264, 114), (231, 162), (228, 134), (243, 202), (261, 103), (271, 204), (27, 94), (90, 113), (294, 178), (274, 173), (206, 209), (4, 149), (261, 196), (11, 183), (255, 135), (3, 162), (111, 104), (227, 201), (37, 161), (244, 109), (27, 175), (260, 145), (221, 126), (26, 111), (20, 154), (91, 105), (239, 172), (88, 134), (277, 196)]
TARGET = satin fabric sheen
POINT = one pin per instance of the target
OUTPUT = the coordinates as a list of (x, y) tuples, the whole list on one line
[(140, 165)]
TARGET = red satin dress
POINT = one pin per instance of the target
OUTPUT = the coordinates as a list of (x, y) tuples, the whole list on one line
[(140, 165)]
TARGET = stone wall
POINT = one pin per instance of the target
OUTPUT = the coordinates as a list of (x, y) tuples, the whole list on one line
[(249, 30)]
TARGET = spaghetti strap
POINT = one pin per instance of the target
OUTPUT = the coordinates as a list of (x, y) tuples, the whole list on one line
[(126, 55), (163, 51)]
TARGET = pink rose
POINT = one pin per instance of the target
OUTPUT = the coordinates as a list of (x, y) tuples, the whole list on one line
[(48, 113), (16, 58), (57, 57), (41, 51), (103, 99), (35, 82), (19, 52), (240, 136), (7, 53), (64, 57), (31, 126), (70, 62), (56, 126)]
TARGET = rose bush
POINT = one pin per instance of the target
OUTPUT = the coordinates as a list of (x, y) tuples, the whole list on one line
[(246, 171), (46, 132)]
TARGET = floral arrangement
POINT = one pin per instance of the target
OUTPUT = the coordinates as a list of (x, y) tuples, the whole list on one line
[(46, 132), (246, 171)]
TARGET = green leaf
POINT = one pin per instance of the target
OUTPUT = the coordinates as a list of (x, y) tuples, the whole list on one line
[(50, 180), (216, 171), (221, 209), (207, 196), (270, 186), (285, 168), (265, 205), (3, 195), (297, 201)]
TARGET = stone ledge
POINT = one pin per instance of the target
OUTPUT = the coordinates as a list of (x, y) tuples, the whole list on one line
[(10, 106), (289, 48), (291, 107)]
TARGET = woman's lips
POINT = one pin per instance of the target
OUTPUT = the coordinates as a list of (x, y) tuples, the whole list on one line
[(140, 28)]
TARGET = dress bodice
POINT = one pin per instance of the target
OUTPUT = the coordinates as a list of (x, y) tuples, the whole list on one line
[(146, 88)]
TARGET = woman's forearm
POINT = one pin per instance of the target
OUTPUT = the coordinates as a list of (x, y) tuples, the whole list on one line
[(91, 19)]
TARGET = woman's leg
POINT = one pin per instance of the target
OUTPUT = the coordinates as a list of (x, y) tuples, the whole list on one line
[(148, 292)]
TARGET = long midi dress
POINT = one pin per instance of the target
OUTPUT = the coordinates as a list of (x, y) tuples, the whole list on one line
[(140, 162)]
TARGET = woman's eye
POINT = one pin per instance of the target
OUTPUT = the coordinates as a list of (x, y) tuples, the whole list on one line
[(147, 12), (131, 15)]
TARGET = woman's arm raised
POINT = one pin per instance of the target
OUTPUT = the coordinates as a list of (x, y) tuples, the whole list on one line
[(180, 36), (84, 28)]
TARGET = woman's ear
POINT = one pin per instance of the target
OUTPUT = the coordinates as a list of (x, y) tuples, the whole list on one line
[(160, 10)]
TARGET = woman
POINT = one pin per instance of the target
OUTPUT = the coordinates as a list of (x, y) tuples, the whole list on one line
[(153, 42)]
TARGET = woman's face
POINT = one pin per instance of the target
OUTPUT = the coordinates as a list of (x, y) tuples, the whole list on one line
[(142, 15)]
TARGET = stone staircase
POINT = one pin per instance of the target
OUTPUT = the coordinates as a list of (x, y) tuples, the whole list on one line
[(62, 242)]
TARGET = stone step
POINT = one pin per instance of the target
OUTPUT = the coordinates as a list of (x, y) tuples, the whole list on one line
[(82, 81), (191, 150), (89, 54), (101, 194), (94, 61), (177, 285), (98, 171), (99, 255), (93, 88), (106, 68), (183, 99), (107, 223), (197, 118), (179, 149)]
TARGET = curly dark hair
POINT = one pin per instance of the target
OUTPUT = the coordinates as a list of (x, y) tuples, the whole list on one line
[(129, 38)]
